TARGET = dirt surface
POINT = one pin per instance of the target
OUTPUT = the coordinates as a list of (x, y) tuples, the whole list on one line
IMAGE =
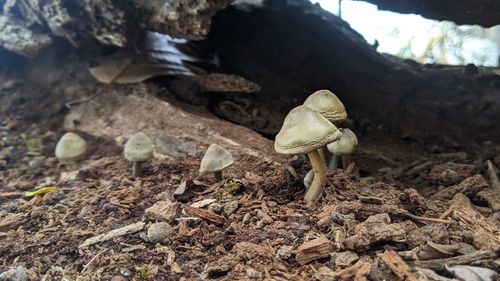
[(253, 225)]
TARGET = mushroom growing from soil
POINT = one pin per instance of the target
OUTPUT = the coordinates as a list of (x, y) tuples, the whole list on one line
[(138, 148), (303, 132), (328, 104), (216, 159), (342, 147), (70, 147)]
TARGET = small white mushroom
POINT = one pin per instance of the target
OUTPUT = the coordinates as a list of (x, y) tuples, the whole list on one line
[(216, 159), (139, 148), (303, 132), (328, 105), (342, 147), (71, 147)]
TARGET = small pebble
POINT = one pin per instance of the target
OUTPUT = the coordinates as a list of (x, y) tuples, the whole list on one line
[(125, 272), (159, 231), (449, 177), (14, 274), (299, 233)]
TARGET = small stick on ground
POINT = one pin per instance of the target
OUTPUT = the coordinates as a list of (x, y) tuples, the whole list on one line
[(92, 260)]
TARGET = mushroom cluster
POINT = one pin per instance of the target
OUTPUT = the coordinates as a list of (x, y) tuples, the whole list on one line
[(308, 129)]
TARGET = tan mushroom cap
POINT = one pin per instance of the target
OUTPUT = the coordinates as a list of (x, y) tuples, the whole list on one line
[(304, 130), (216, 159), (345, 145), (70, 147), (138, 148), (328, 104)]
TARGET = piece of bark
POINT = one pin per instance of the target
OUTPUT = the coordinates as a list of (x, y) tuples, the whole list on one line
[(128, 229), (438, 264), (109, 23), (12, 221), (205, 215), (469, 186), (251, 250), (19, 39), (486, 235), (162, 211), (397, 265), (376, 229), (314, 250)]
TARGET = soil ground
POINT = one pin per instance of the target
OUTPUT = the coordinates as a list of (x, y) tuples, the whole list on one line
[(255, 226)]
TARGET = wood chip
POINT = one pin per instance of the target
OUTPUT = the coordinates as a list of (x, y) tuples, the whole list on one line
[(377, 228), (397, 265), (206, 215), (12, 221), (131, 228), (251, 250), (203, 203), (163, 211), (313, 250)]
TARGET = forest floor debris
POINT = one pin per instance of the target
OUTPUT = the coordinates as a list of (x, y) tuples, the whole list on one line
[(253, 225)]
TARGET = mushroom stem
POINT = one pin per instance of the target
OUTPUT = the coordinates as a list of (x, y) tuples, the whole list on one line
[(332, 166), (218, 176), (136, 168), (321, 152), (346, 160), (319, 179)]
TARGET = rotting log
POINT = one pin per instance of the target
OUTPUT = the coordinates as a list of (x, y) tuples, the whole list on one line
[(290, 49)]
